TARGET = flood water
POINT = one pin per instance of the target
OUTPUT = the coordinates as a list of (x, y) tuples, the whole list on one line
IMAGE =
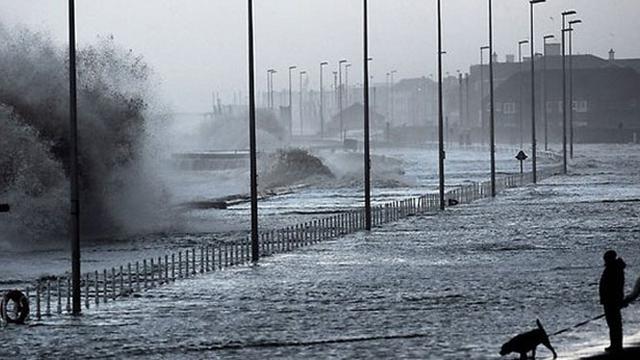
[(449, 285)]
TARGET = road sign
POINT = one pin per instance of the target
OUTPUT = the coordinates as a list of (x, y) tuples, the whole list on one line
[(522, 156)]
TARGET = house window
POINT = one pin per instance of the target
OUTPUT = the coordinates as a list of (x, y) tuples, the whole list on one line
[(580, 106), (510, 108)]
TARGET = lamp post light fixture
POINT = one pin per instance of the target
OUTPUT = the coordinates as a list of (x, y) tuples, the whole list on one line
[(564, 88), (534, 144), (322, 65), (291, 68), (521, 126), (544, 91), (571, 109)]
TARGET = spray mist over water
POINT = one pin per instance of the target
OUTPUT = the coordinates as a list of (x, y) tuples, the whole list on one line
[(117, 147)]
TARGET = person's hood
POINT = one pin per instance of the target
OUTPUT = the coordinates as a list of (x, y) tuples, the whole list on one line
[(616, 263)]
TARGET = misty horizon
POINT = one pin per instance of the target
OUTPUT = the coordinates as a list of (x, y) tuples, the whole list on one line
[(199, 49)]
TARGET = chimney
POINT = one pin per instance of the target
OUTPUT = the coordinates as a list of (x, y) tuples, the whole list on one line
[(612, 56), (510, 59)]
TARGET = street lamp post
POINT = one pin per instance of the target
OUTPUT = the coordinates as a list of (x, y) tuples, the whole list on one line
[(73, 177), (460, 100), (521, 126), (544, 92), (482, 108), (322, 65), (466, 106), (533, 93), (393, 95), (270, 97), (492, 129), (367, 159), (255, 246), (571, 110), (346, 83), (564, 90), (291, 68), (441, 154), (301, 110), (340, 97)]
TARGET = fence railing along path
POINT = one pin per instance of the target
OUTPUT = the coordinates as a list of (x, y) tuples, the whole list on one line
[(52, 295)]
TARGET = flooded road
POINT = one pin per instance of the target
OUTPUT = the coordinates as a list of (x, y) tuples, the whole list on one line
[(447, 285)]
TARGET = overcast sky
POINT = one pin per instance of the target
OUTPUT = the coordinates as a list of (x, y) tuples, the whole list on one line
[(196, 46)]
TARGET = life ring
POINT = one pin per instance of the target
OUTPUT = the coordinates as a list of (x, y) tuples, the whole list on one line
[(14, 307)]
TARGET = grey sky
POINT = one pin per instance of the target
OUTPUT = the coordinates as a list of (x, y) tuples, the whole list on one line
[(196, 46)]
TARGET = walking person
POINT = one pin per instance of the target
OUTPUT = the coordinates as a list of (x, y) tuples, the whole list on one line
[(612, 297)]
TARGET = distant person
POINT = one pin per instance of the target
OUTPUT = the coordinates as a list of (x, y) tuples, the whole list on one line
[(612, 297)]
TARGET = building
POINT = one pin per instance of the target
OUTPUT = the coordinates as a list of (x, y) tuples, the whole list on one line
[(606, 99)]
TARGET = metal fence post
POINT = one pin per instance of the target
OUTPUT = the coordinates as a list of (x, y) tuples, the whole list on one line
[(59, 293), (186, 263), (96, 286), (68, 294), (86, 290), (105, 294), (144, 273), (113, 283)]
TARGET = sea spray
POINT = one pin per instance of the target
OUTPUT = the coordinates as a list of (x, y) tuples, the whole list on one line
[(119, 191)]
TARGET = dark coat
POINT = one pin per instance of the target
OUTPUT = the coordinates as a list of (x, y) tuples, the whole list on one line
[(612, 283)]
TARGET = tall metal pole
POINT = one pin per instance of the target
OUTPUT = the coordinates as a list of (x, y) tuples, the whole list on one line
[(520, 112), (291, 68), (544, 92), (255, 246), (532, 47), (322, 65), (466, 103), (571, 85), (367, 163), (564, 90), (75, 193), (460, 99), (302, 73), (273, 98), (492, 128), (340, 98), (269, 88), (482, 107), (346, 83), (393, 95), (441, 154)]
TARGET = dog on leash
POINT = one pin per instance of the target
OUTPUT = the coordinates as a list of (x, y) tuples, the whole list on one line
[(526, 342)]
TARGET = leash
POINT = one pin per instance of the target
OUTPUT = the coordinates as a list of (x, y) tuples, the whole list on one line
[(577, 325)]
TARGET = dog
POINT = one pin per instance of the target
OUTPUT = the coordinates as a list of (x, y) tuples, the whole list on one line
[(528, 341)]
